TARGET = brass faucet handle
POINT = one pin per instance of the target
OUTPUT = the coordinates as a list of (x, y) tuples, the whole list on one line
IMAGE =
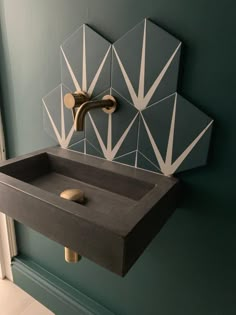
[(73, 195), (72, 100)]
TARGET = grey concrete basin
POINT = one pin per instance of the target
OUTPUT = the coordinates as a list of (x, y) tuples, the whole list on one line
[(124, 209)]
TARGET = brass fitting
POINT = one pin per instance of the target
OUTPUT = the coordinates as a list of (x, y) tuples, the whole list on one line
[(80, 104), (71, 256), (75, 195)]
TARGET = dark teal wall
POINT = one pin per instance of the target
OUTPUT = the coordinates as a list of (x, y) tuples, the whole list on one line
[(190, 267)]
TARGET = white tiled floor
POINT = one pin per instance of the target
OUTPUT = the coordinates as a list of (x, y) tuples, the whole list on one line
[(14, 301)]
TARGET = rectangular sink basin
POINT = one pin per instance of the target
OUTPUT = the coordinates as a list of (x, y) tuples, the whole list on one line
[(124, 209)]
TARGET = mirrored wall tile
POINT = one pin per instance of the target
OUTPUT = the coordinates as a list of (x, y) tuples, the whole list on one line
[(98, 62), (78, 146), (93, 135), (144, 144), (192, 135), (128, 51), (81, 67), (47, 126), (124, 126), (76, 136), (52, 111), (71, 60), (162, 62), (66, 76), (168, 83), (189, 122), (145, 64), (114, 134), (91, 150), (144, 163), (158, 118), (104, 81), (177, 132), (198, 155), (69, 121), (58, 120), (128, 159), (130, 142), (97, 119), (67, 113)]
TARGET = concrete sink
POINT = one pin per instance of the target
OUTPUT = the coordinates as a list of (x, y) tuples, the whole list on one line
[(124, 209)]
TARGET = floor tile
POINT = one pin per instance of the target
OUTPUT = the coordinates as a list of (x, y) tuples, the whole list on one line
[(14, 301)]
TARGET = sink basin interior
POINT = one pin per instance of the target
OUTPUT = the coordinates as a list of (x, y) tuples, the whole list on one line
[(55, 174)]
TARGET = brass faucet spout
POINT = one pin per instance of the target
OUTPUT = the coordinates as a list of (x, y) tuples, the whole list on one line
[(106, 104), (80, 104)]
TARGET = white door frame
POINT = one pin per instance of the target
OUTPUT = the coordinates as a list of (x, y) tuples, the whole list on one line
[(2, 266), (8, 248)]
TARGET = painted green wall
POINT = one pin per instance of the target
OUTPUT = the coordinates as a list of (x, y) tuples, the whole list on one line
[(190, 267)]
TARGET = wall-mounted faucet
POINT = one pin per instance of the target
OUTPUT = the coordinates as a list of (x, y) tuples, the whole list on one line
[(79, 102)]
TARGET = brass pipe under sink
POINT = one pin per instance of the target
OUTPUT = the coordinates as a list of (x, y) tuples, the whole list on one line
[(75, 195), (71, 256)]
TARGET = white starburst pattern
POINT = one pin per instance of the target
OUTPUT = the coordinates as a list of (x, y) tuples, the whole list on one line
[(63, 139), (140, 100), (108, 150), (167, 165), (61, 136), (161, 87), (84, 86)]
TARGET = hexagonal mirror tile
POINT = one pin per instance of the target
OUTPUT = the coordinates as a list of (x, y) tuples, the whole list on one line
[(174, 135), (145, 64), (86, 62), (58, 120), (113, 135)]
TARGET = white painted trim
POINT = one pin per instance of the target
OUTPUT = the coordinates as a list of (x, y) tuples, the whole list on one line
[(2, 266), (11, 236), (8, 248)]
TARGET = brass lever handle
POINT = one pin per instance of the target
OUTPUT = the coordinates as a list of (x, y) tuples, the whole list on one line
[(78, 196)]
